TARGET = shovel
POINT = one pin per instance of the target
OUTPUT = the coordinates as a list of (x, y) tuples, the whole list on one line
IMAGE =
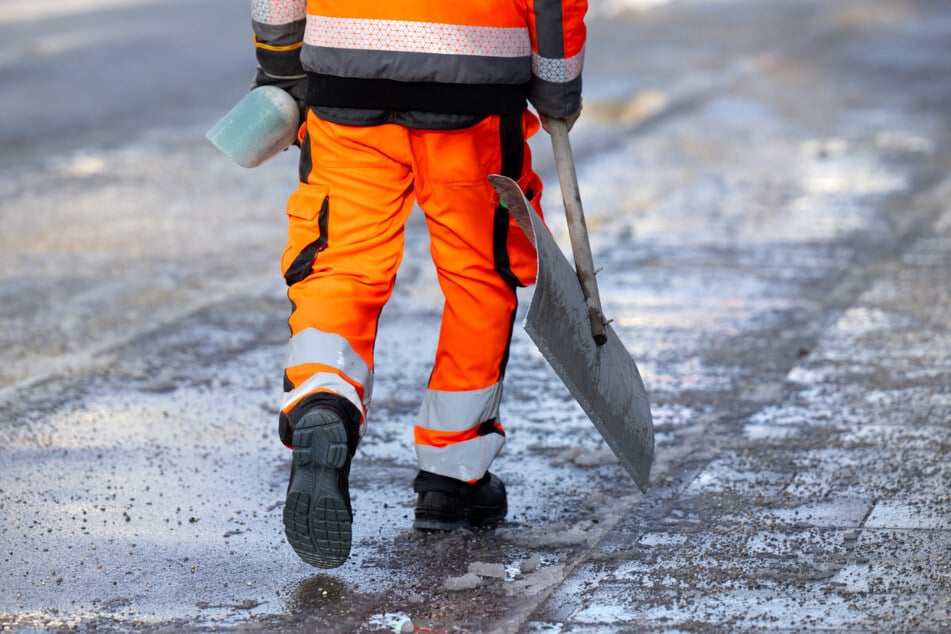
[(566, 322)]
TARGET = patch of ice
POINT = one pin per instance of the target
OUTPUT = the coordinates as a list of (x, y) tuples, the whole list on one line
[(671, 415), (529, 565), (586, 457), (393, 621), (467, 581), (725, 475), (83, 165), (483, 569), (805, 376), (859, 320), (556, 535), (832, 513), (662, 539), (545, 628), (755, 431), (853, 578), (903, 141), (893, 515), (537, 581)]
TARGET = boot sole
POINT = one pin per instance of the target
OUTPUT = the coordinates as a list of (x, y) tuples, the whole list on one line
[(317, 522), (439, 525), (485, 519), (447, 526)]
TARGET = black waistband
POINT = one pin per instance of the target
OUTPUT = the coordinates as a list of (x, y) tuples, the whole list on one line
[(386, 94)]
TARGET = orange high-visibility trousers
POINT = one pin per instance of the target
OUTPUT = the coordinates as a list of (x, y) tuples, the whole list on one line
[(346, 228)]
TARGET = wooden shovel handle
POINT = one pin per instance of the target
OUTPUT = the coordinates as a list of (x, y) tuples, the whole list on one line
[(577, 229)]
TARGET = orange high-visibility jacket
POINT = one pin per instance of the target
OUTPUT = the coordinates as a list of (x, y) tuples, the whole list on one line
[(427, 56)]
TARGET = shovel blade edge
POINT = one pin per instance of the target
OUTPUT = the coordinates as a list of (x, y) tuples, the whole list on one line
[(603, 379)]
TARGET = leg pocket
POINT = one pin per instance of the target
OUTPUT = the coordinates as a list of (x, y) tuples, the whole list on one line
[(308, 211)]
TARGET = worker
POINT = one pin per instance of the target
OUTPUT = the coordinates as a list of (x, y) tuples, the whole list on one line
[(403, 102)]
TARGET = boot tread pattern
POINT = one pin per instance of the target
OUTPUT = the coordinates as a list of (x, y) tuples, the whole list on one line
[(317, 522)]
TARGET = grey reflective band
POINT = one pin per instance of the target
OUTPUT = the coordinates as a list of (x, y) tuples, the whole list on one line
[(459, 411), (558, 70), (329, 382), (313, 346), (464, 461)]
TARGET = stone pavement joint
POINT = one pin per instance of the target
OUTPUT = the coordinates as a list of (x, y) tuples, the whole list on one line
[(832, 509)]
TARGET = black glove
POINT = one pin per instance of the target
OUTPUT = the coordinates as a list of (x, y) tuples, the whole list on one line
[(295, 86)]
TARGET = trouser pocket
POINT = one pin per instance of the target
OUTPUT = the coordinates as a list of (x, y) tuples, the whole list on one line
[(308, 211)]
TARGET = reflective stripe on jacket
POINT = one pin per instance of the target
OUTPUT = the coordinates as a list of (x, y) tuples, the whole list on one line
[(427, 56)]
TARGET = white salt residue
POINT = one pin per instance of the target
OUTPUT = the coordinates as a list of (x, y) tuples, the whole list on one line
[(467, 581), (393, 621)]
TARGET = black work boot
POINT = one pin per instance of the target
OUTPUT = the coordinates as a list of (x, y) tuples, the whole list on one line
[(317, 512), (446, 504)]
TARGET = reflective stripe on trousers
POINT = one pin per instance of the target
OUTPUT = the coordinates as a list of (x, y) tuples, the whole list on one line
[(346, 230), (457, 433), (348, 375)]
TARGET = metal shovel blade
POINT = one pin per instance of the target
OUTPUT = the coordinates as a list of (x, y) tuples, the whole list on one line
[(603, 379)]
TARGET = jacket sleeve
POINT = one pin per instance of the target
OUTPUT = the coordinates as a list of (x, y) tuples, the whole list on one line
[(278, 36), (558, 40)]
